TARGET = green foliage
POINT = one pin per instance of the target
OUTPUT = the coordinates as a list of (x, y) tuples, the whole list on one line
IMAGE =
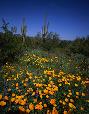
[(51, 42), (76, 64), (80, 45), (10, 47)]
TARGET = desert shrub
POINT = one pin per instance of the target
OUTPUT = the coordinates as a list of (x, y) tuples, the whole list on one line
[(11, 47), (80, 46)]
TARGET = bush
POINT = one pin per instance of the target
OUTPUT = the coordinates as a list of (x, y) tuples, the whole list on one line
[(11, 47)]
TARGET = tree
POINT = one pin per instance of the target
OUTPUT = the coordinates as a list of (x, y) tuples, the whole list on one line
[(4, 26)]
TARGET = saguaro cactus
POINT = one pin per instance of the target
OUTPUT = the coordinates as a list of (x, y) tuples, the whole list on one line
[(45, 28), (23, 29)]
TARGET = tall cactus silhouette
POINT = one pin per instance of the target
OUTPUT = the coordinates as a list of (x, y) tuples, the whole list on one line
[(23, 29), (45, 28)]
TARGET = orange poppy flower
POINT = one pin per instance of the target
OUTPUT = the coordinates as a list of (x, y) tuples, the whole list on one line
[(52, 101), (31, 106)]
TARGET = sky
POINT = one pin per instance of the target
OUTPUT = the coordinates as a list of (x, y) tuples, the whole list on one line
[(68, 18)]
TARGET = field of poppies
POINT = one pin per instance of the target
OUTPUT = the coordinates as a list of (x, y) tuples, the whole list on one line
[(40, 84)]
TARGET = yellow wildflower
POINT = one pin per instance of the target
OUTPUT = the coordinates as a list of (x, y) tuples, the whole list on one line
[(38, 107), (13, 94), (77, 93), (76, 85), (45, 105), (72, 106), (52, 101), (2, 103), (83, 94), (0, 96), (12, 99), (71, 100), (46, 91), (31, 106), (54, 111), (6, 97), (27, 111), (21, 108), (47, 96), (65, 112), (66, 100)]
